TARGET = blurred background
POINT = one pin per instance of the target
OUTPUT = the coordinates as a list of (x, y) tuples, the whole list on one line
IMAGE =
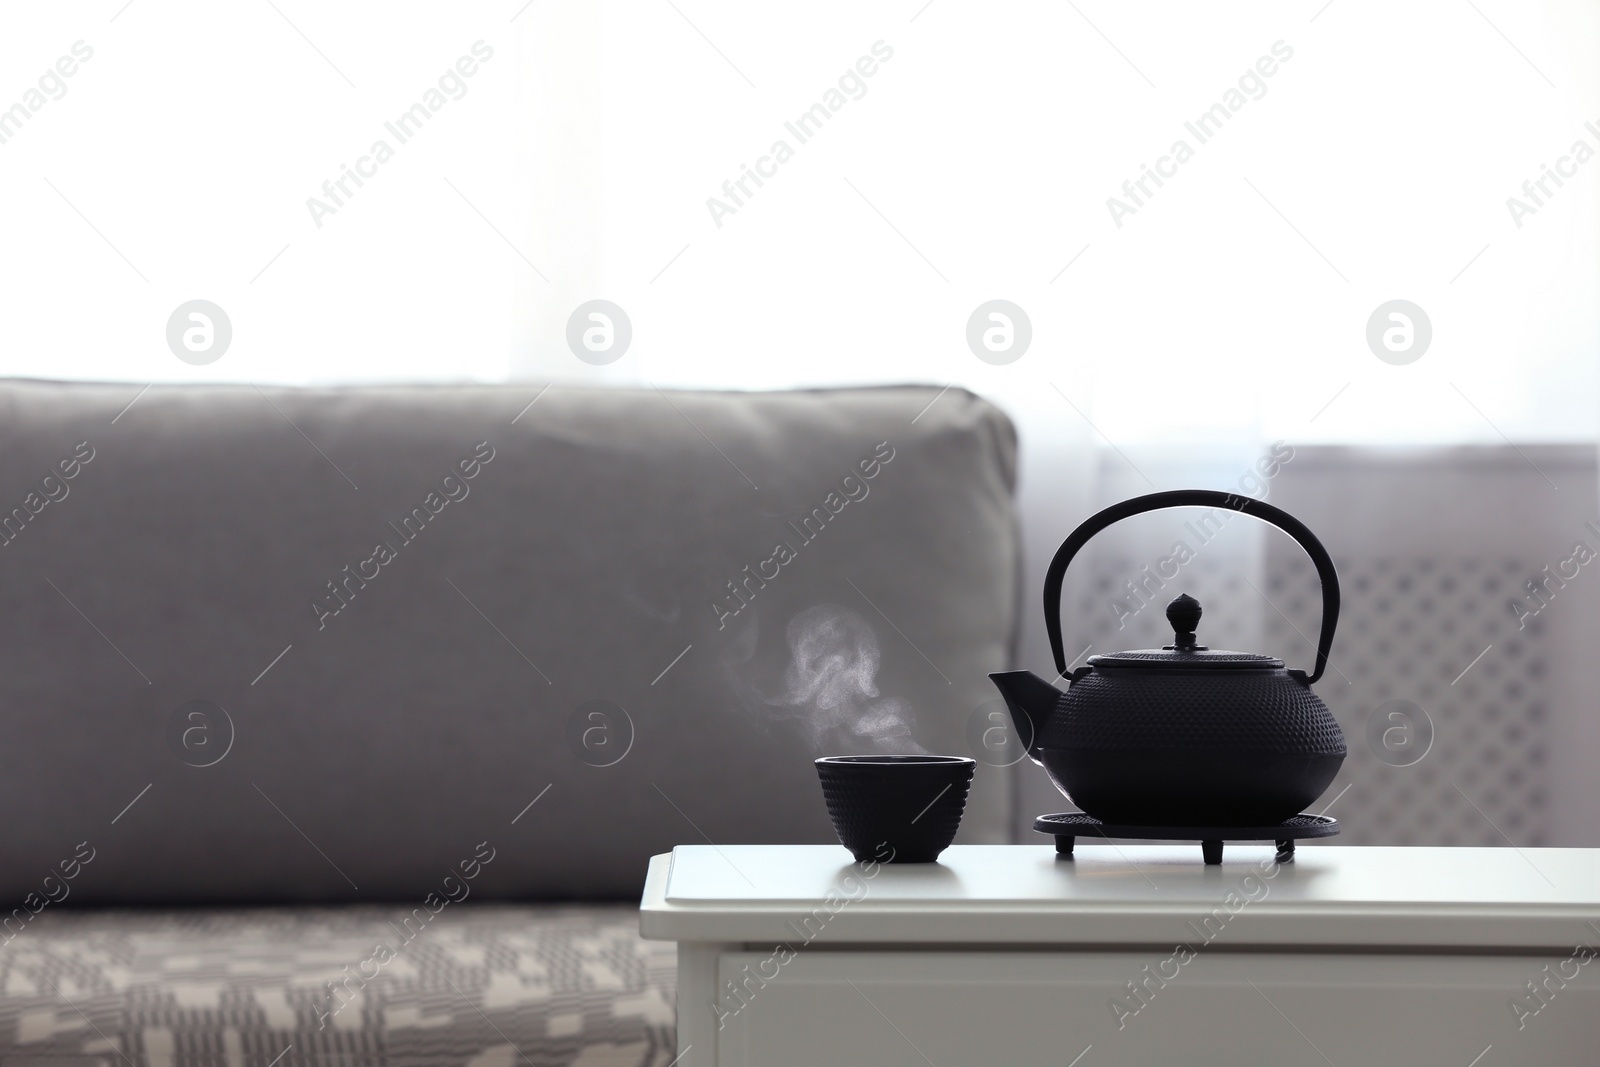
[(1232, 325)]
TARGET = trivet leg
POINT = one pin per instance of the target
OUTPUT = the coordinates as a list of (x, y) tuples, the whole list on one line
[(1212, 850), (1285, 851), (1064, 843)]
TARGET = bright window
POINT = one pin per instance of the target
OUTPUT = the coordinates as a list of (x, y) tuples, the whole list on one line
[(1335, 158)]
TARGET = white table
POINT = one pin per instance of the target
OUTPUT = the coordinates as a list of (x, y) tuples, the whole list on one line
[(1007, 955)]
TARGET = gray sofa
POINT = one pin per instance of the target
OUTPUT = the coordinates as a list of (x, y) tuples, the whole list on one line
[(341, 723)]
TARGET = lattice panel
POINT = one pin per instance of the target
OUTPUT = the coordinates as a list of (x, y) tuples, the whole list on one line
[(1408, 628)]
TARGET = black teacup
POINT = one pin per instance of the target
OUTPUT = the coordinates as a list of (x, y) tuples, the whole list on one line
[(895, 809)]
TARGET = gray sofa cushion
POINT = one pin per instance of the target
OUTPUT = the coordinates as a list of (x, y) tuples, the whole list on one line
[(491, 986), (286, 645)]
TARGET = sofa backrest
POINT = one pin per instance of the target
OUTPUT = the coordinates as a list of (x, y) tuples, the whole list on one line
[(339, 644)]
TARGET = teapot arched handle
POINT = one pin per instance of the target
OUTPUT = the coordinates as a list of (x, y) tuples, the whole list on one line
[(1180, 498)]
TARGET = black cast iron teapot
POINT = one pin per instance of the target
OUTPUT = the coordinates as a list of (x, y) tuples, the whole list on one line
[(1185, 734)]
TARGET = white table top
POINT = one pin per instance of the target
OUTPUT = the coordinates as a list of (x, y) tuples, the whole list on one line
[(1129, 895)]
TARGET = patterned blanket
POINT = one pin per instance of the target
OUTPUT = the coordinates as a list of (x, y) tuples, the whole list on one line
[(477, 986)]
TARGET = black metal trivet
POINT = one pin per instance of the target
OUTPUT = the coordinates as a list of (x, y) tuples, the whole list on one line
[(1066, 827)]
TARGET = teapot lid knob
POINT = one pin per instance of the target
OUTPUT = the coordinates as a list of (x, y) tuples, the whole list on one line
[(1184, 615)]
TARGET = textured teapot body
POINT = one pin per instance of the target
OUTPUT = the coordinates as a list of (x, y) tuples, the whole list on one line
[(1183, 735), (1203, 747)]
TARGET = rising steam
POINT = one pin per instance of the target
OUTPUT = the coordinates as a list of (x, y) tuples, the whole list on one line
[(831, 684)]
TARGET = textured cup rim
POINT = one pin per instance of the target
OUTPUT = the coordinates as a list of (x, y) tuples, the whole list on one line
[(879, 761)]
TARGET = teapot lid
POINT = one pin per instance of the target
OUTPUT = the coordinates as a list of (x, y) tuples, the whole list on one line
[(1184, 615)]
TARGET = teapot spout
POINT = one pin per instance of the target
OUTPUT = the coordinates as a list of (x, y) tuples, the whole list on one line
[(1031, 700)]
